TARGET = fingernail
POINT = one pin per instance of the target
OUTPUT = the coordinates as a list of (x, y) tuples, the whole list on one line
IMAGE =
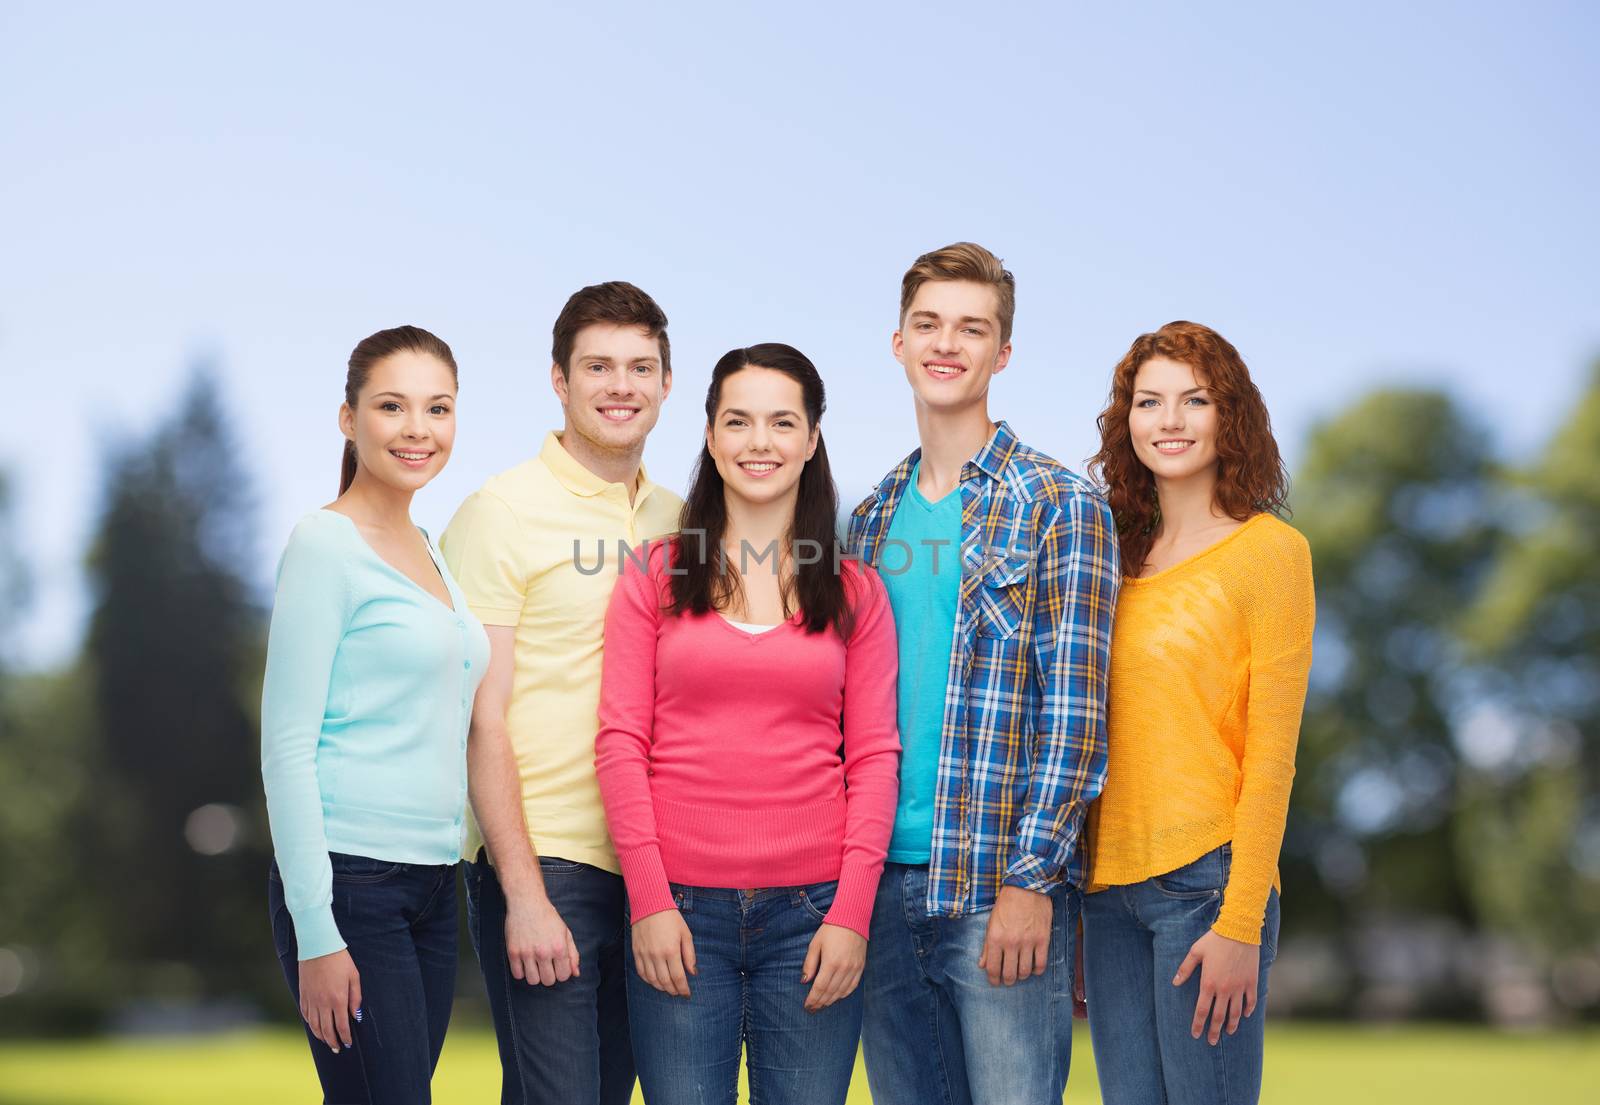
[(335, 1051)]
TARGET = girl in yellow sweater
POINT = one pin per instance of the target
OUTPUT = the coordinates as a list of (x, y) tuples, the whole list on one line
[(1209, 658)]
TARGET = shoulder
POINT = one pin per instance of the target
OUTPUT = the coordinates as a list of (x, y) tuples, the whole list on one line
[(1270, 537), (1032, 476), (322, 533), (517, 485)]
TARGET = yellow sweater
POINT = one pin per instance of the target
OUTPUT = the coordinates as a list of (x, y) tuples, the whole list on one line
[(1209, 660)]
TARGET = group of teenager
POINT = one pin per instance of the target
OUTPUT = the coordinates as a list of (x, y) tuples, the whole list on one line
[(725, 783)]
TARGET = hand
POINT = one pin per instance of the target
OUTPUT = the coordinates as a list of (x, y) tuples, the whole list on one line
[(539, 945), (330, 996), (836, 958), (1017, 943), (1080, 1001), (663, 952), (1228, 975)]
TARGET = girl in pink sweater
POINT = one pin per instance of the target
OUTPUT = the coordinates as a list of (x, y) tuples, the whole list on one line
[(747, 757)]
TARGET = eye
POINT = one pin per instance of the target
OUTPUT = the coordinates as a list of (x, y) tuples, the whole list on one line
[(438, 408), (644, 369), (389, 405), (1146, 403), (786, 423), (973, 330), (595, 369), (1199, 400), (733, 422)]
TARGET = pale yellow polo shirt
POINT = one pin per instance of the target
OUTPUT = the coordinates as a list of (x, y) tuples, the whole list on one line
[(516, 548)]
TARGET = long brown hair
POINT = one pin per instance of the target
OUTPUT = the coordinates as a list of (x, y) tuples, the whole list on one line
[(702, 580), (1251, 477), (367, 353)]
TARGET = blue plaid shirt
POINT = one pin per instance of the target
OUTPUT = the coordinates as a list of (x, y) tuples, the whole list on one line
[(1023, 747)]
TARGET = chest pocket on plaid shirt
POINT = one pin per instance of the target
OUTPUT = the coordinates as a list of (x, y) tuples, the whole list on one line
[(1002, 596)]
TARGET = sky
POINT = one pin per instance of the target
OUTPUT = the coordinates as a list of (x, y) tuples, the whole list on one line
[(1357, 195)]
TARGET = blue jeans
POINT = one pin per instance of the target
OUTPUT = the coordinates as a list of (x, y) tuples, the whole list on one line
[(1134, 938), (565, 1044), (399, 923), (936, 1032), (749, 946)]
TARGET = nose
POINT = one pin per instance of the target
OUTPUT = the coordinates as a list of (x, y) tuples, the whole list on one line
[(760, 437), (945, 340), (619, 383), (416, 425), (1172, 416)]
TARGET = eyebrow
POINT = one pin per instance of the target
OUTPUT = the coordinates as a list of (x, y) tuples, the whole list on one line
[(600, 357), (1157, 394), (735, 411), (397, 395), (964, 318)]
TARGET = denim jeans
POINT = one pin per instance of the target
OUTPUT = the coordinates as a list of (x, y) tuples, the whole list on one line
[(399, 923), (936, 1032), (749, 946), (565, 1044), (1134, 939)]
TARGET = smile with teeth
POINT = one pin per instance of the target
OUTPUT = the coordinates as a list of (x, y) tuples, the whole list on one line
[(759, 467), (619, 414), (1173, 445), (943, 371), (410, 457)]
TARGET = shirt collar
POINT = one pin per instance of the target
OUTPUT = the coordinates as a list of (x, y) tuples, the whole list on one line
[(991, 460), (578, 479)]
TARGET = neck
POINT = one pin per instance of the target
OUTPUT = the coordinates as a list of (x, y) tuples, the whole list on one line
[(372, 502), (1188, 504), (949, 439), (763, 526), (611, 465)]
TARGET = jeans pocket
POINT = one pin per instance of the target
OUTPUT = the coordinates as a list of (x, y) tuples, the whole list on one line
[(1204, 878), (555, 866), (817, 899), (361, 869)]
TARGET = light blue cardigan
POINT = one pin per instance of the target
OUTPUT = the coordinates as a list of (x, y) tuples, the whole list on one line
[(364, 713)]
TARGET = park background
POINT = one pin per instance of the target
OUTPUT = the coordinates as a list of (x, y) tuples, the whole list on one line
[(1388, 208)]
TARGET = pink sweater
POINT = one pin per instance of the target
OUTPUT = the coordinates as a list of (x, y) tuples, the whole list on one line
[(719, 752)]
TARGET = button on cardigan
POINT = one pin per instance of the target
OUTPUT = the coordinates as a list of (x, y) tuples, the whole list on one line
[(364, 712)]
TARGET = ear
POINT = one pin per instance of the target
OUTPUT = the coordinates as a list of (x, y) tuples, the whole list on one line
[(558, 380), (1002, 358), (666, 384), (898, 345), (816, 437), (708, 437), (347, 422)]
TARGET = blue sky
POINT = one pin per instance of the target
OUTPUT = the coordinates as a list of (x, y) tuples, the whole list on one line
[(1359, 195)]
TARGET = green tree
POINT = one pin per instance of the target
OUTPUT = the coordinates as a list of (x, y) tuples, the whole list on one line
[(1396, 498), (1535, 786), (173, 647)]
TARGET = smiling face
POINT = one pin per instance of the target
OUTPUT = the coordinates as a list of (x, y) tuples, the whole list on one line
[(760, 438), (949, 343), (404, 420), (613, 388), (1173, 420)]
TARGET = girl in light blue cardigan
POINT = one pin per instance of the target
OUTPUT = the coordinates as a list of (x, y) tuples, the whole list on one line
[(372, 663)]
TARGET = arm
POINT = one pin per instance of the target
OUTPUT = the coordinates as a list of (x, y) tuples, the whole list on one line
[(1280, 618), (1077, 578), (663, 949), (482, 547), (310, 613), (539, 946), (1077, 575), (838, 952), (1279, 614)]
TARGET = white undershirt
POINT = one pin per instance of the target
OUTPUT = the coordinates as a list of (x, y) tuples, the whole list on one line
[(748, 627)]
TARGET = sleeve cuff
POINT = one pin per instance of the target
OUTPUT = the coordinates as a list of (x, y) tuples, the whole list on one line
[(315, 933), (1236, 929), (1032, 873), (852, 902), (646, 879)]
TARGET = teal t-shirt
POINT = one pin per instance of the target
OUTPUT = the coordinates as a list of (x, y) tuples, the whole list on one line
[(921, 568)]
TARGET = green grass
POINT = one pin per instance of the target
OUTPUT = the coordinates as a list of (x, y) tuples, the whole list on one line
[(1305, 1066)]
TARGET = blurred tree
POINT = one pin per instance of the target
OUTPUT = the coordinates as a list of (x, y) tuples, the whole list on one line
[(1534, 741), (176, 843), (1396, 498)]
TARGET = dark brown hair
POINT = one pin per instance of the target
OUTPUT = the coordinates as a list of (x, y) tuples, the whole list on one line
[(1251, 477), (367, 353), (964, 261), (616, 302), (702, 580)]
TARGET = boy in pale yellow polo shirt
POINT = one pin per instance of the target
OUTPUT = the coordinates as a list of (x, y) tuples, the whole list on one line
[(536, 553)]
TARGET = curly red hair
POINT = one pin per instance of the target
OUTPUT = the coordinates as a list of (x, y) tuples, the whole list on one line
[(1251, 477)]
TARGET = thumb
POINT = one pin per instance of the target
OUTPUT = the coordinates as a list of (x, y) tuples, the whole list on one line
[(813, 960), (1186, 968), (572, 952), (687, 945), (355, 995)]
